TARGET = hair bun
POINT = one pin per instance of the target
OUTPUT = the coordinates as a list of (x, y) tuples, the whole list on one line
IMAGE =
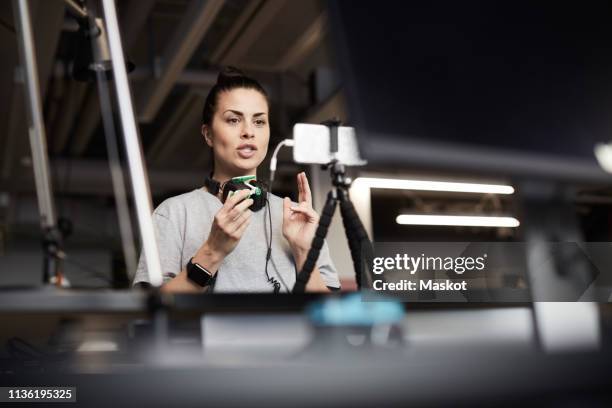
[(229, 74)]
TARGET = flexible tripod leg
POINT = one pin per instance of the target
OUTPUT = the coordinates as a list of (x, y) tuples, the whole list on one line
[(317, 243), (360, 245)]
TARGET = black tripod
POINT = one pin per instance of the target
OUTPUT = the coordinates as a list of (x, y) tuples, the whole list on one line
[(359, 243)]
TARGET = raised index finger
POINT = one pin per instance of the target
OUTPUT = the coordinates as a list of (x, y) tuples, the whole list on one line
[(304, 189)]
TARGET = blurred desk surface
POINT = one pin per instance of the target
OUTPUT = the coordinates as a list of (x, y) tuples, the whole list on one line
[(263, 346), (54, 300), (448, 377)]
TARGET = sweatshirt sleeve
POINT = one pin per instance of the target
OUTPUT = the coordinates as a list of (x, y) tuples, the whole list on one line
[(169, 237)]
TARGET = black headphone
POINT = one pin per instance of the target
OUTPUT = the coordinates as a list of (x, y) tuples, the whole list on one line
[(260, 199), (259, 196)]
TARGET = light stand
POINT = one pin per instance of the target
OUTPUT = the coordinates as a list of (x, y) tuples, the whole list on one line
[(52, 237), (98, 65)]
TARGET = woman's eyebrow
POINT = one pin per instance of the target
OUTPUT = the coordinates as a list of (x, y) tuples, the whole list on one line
[(235, 112)]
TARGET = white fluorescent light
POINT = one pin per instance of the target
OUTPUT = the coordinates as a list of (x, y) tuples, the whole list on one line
[(434, 185), (457, 220)]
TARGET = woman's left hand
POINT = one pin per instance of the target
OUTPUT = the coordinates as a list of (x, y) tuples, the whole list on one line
[(300, 221)]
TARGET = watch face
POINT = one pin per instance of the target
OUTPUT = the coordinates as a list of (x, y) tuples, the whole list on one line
[(198, 274), (203, 269)]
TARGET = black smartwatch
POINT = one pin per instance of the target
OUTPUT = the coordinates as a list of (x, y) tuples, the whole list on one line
[(199, 274)]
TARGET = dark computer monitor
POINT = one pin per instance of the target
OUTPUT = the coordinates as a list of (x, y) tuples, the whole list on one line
[(516, 88)]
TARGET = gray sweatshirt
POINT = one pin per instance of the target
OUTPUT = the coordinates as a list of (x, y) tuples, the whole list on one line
[(182, 224)]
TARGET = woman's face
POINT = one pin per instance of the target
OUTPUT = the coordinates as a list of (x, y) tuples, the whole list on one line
[(240, 131)]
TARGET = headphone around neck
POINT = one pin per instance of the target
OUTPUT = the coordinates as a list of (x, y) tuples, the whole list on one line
[(259, 195)]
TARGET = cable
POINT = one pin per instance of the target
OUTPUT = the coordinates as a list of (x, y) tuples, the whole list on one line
[(273, 161), (273, 281)]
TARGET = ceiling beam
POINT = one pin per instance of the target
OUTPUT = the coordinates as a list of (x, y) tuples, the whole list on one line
[(170, 135), (241, 45), (134, 20), (234, 32), (195, 77), (184, 138), (305, 44), (92, 177), (192, 28)]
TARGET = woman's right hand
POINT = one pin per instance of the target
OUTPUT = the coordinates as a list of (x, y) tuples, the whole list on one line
[(229, 224)]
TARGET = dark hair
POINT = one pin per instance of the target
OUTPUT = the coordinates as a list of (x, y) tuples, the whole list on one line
[(228, 79)]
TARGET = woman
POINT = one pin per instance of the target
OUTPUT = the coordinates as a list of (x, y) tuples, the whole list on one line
[(207, 244)]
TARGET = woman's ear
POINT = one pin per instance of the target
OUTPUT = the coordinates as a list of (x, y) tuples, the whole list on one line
[(205, 130)]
